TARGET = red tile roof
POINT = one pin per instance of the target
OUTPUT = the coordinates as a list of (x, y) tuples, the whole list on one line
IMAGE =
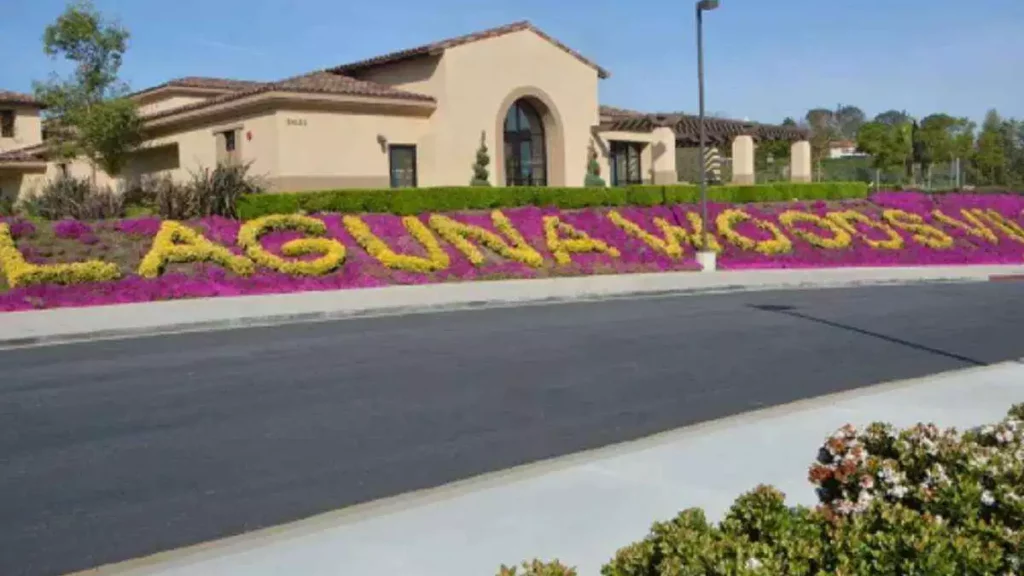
[(203, 82), (442, 45), (320, 82), (34, 153), (8, 97)]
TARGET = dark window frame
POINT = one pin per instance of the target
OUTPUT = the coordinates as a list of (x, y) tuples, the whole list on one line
[(8, 120), (627, 151), (515, 135), (230, 141), (395, 181)]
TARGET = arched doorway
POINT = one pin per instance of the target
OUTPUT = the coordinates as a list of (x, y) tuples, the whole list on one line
[(526, 161)]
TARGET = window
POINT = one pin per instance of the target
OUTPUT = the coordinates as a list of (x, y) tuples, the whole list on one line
[(525, 154), (402, 162), (7, 123), (625, 161), (227, 147)]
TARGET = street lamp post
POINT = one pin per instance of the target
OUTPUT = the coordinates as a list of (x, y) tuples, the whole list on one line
[(706, 256)]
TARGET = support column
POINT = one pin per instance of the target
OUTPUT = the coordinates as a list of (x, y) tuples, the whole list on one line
[(743, 159), (800, 162), (663, 156)]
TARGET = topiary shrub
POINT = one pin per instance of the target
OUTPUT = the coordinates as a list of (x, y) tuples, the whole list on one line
[(593, 178), (481, 177)]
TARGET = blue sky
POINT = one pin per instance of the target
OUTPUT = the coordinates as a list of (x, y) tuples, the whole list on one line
[(765, 59)]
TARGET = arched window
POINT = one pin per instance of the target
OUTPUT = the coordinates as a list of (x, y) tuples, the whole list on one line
[(525, 154)]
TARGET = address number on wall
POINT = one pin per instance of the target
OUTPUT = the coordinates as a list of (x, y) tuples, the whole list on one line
[(296, 122)]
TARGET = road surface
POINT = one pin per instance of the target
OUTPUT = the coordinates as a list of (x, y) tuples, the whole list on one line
[(119, 449)]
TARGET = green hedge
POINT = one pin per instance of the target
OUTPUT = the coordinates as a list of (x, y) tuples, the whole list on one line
[(406, 201)]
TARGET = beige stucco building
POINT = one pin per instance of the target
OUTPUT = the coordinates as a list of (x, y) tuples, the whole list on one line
[(411, 118)]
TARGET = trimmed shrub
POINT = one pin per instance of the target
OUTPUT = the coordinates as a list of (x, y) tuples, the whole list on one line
[(408, 201)]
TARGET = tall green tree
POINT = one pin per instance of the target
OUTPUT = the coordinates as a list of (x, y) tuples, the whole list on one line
[(87, 111), (990, 156), (935, 136), (890, 147)]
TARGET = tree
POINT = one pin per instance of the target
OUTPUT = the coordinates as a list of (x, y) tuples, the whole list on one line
[(822, 124), (89, 114), (890, 147), (990, 156), (848, 120), (593, 178), (935, 138), (893, 118), (481, 177)]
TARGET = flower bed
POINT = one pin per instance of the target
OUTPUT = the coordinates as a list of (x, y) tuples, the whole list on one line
[(69, 263)]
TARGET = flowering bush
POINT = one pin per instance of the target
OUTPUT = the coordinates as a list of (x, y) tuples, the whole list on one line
[(919, 501), (336, 251)]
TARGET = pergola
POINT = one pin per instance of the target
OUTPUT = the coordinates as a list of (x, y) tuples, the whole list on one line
[(683, 130)]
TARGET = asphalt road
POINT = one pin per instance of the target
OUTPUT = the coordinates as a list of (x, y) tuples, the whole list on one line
[(113, 450)]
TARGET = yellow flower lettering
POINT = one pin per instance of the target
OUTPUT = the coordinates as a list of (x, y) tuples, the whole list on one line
[(669, 245), (20, 272), (849, 219), (461, 236), (974, 226), (1008, 227), (697, 238), (332, 252), (563, 240), (728, 219), (176, 243), (436, 259), (924, 234), (839, 239)]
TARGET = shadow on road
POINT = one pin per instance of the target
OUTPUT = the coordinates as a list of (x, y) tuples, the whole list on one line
[(792, 312)]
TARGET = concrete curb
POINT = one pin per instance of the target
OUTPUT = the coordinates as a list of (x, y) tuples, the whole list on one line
[(50, 327)]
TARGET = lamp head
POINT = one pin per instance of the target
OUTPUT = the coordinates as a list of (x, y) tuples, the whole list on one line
[(705, 5)]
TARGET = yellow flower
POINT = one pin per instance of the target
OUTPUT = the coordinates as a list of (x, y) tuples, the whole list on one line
[(1008, 227), (563, 240), (176, 243), (848, 219), (460, 235), (779, 244), (20, 272), (332, 251), (840, 238), (437, 258), (669, 245), (697, 238), (924, 234), (976, 227)]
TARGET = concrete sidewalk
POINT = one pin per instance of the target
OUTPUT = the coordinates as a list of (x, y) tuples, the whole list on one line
[(582, 508), (69, 324)]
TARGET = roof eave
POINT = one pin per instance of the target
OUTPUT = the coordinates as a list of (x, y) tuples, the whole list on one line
[(279, 97)]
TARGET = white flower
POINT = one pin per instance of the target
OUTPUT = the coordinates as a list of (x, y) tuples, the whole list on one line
[(988, 429), (898, 491), (753, 564), (987, 498)]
